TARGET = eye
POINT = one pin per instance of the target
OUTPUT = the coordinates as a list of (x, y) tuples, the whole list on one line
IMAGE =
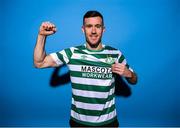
[(98, 26), (88, 26)]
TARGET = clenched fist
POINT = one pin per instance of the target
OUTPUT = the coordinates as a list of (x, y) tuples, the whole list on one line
[(47, 28)]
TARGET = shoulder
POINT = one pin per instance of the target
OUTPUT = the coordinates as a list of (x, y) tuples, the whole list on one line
[(80, 47), (74, 48), (112, 49), (107, 47)]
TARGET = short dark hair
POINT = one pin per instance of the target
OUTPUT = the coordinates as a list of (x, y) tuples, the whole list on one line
[(93, 13)]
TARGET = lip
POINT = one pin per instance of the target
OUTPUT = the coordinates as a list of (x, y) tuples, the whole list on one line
[(94, 37)]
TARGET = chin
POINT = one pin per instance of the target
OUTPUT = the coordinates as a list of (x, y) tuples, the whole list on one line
[(93, 43)]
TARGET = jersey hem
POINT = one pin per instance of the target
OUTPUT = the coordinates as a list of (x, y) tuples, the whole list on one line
[(94, 124)]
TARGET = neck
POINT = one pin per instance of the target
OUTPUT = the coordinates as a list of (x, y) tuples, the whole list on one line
[(94, 47)]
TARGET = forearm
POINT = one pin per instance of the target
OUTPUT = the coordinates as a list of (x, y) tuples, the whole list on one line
[(39, 51), (132, 79)]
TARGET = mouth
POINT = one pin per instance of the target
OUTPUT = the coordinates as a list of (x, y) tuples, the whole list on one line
[(94, 37)]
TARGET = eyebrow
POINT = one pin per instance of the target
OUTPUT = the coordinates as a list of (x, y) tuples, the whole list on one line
[(97, 25)]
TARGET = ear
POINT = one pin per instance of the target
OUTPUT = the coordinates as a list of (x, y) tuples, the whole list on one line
[(104, 29), (82, 28)]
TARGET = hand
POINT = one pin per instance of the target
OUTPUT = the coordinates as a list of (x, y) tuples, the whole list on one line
[(121, 69), (47, 29)]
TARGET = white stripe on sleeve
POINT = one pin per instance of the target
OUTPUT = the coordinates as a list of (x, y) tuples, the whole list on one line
[(56, 59)]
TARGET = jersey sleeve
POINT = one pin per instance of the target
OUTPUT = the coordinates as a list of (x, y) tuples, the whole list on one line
[(121, 59), (62, 57)]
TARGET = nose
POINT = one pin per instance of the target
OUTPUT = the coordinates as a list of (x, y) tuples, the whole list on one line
[(93, 30)]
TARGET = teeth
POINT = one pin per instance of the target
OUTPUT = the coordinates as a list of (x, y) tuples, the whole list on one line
[(93, 35)]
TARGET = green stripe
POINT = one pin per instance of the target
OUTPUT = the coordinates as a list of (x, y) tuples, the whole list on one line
[(82, 47), (109, 48), (87, 62), (92, 100), (92, 75), (60, 56), (93, 112), (79, 51), (68, 53), (92, 87), (121, 59), (100, 56)]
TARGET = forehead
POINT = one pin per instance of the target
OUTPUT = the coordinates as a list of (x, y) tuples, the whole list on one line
[(93, 20)]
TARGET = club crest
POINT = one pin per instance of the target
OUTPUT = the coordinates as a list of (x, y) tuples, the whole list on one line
[(110, 60)]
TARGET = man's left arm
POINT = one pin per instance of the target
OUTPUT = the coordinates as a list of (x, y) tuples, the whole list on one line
[(122, 70), (132, 79)]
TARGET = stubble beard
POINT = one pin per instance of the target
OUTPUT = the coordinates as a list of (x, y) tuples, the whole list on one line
[(95, 45)]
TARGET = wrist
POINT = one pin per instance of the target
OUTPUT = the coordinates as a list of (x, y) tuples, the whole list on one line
[(132, 79), (41, 35), (129, 74)]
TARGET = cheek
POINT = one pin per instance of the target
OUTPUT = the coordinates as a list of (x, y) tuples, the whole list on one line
[(100, 31), (87, 31)]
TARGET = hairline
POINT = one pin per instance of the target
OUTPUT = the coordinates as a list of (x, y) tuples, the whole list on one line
[(93, 17)]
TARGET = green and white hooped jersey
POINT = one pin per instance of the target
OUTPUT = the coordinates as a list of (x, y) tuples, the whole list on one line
[(93, 84)]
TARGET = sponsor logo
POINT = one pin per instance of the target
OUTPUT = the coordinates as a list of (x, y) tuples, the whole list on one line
[(96, 72)]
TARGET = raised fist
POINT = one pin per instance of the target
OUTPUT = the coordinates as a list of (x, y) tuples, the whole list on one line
[(47, 28)]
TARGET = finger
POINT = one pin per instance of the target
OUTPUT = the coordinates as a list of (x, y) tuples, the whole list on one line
[(46, 24), (50, 25), (53, 25), (121, 66), (117, 70), (120, 69), (117, 66), (54, 29)]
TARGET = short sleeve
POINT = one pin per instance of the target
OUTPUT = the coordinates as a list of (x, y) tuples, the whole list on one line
[(56, 59), (62, 57)]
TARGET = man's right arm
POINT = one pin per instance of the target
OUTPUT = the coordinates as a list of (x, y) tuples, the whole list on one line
[(41, 60)]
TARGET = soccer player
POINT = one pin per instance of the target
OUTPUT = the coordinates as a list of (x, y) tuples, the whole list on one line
[(92, 67)]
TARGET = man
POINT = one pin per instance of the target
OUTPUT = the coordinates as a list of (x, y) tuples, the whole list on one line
[(92, 70)]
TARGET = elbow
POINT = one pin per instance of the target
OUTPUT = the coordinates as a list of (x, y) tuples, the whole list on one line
[(134, 82), (37, 65)]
